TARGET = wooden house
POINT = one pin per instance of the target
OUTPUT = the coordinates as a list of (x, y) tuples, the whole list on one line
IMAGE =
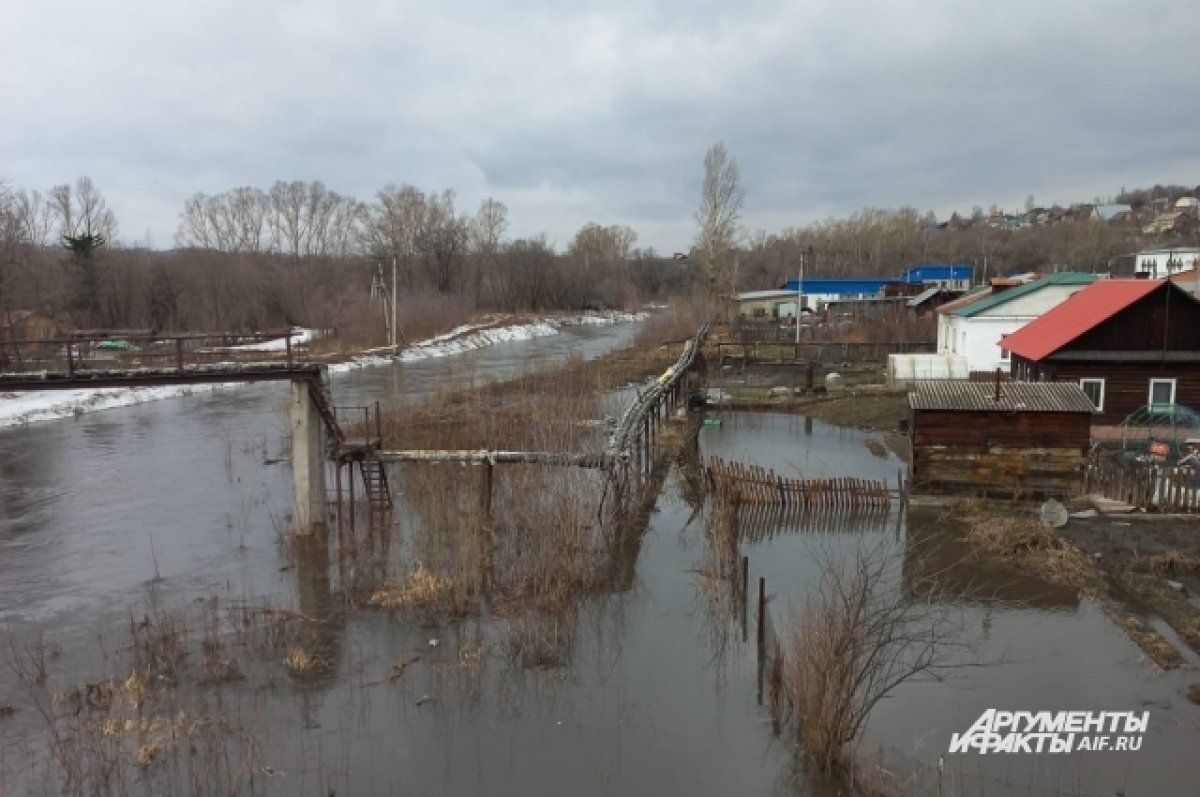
[(1127, 343), (1000, 438)]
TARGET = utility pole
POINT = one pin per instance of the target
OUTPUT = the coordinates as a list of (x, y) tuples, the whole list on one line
[(394, 336), (800, 297)]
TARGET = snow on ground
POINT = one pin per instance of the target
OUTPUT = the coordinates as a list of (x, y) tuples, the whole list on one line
[(477, 336), (48, 405), (31, 407), (299, 336)]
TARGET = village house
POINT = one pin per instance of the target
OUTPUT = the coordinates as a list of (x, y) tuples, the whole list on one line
[(1127, 343), (1013, 439), (973, 326), (1177, 224), (818, 292), (1161, 263), (1114, 214)]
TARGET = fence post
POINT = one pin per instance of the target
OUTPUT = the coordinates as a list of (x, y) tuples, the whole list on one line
[(179, 354), (745, 585)]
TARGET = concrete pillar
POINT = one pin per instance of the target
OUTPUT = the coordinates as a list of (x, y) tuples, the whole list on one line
[(308, 460)]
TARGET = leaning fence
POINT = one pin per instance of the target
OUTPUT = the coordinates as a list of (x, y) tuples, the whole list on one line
[(754, 484)]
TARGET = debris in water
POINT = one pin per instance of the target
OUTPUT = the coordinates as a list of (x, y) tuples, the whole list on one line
[(433, 643), (1054, 515), (424, 699)]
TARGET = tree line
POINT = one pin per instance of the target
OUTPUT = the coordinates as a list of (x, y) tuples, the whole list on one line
[(300, 253)]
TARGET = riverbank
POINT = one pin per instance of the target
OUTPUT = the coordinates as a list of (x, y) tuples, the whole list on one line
[(19, 409)]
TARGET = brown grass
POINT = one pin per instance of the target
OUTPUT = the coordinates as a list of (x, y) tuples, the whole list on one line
[(1171, 562), (1023, 542), (301, 663), (422, 589)]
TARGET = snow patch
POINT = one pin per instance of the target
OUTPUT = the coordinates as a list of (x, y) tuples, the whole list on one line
[(31, 407), (23, 408), (299, 336)]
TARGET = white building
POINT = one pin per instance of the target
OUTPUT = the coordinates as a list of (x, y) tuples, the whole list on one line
[(973, 326), (1160, 263)]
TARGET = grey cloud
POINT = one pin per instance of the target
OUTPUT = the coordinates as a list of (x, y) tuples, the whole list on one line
[(571, 112)]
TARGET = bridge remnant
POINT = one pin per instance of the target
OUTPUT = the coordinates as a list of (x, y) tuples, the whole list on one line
[(308, 458)]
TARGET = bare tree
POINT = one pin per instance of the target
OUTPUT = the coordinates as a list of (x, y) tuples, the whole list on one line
[(289, 216), (36, 216), (86, 225), (531, 273), (392, 225), (859, 636), (484, 234), (721, 199), (442, 241), (81, 211)]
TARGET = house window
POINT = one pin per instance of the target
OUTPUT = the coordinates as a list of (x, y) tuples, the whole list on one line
[(1162, 391), (1003, 351), (1095, 391)]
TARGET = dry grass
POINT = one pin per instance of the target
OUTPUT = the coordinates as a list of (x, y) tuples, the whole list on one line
[(303, 664), (1171, 562), (422, 589), (1021, 540)]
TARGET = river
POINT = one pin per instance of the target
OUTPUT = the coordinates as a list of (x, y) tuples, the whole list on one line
[(131, 513)]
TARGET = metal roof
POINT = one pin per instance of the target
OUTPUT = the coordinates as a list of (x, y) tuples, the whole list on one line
[(1008, 294), (959, 395), (924, 296), (1080, 313), (1109, 212), (760, 295)]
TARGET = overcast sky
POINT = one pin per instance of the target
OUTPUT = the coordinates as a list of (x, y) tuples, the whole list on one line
[(571, 112)]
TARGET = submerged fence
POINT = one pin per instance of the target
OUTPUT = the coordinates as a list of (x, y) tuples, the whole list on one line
[(1146, 485), (753, 484)]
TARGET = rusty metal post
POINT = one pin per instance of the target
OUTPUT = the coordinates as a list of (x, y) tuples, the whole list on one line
[(378, 426), (337, 476), (745, 589), (352, 511), (179, 354), (762, 615)]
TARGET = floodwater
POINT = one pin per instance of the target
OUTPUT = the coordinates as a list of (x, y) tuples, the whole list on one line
[(170, 503)]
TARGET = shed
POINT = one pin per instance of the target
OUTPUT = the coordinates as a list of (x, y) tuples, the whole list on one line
[(1018, 439)]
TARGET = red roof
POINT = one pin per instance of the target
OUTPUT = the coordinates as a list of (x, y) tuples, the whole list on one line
[(1082, 312)]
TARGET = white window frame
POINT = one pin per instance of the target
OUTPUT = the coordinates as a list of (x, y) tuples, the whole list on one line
[(1099, 404), (1150, 396)]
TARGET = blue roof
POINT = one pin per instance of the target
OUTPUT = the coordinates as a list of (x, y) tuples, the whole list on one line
[(854, 286), (843, 286)]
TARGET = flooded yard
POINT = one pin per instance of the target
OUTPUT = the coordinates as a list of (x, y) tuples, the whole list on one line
[(151, 537)]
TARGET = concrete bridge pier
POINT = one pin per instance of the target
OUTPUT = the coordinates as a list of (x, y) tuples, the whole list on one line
[(308, 460)]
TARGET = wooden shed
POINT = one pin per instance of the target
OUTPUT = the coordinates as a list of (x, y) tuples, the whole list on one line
[(1019, 439)]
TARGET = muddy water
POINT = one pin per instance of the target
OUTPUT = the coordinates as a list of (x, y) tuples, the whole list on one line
[(93, 508), (656, 697)]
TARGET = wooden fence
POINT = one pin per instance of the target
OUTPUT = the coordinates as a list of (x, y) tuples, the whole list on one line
[(752, 484), (1147, 485)]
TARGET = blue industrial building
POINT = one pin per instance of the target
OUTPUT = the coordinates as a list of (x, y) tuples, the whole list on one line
[(953, 277)]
